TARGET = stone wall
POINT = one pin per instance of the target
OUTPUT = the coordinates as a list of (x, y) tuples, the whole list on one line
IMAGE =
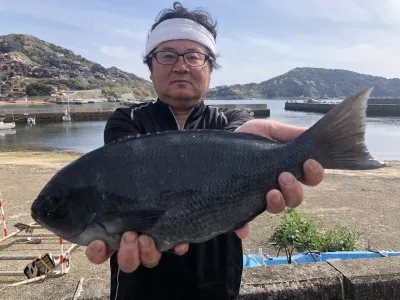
[(363, 279), (47, 117)]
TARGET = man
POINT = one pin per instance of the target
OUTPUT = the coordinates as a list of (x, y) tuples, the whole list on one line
[(181, 55)]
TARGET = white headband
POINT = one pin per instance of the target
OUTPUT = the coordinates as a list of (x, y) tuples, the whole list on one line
[(180, 29)]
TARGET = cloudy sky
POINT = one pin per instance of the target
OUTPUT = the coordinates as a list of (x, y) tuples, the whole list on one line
[(257, 39)]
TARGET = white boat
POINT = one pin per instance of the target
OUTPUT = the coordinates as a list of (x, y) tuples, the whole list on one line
[(9, 125), (31, 121), (66, 117)]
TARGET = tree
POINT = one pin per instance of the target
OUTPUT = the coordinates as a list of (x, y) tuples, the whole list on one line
[(98, 68), (38, 89)]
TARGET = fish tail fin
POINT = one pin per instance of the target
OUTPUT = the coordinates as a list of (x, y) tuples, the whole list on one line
[(340, 136)]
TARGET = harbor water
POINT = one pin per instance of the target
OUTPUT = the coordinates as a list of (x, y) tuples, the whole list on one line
[(382, 135)]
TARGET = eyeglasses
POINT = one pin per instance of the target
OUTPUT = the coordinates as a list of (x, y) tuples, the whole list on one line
[(193, 59)]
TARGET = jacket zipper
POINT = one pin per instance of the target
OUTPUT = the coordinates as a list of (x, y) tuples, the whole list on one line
[(184, 123)]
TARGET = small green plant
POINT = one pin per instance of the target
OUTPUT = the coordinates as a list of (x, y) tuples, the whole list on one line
[(297, 232), (338, 238)]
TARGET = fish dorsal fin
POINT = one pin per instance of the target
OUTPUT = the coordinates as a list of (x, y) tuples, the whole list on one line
[(138, 221), (226, 134)]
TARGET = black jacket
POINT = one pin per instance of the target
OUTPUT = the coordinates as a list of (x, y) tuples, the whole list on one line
[(210, 270)]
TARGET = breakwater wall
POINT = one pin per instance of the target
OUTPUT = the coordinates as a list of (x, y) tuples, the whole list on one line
[(43, 116), (50, 117), (373, 100), (262, 113), (373, 110)]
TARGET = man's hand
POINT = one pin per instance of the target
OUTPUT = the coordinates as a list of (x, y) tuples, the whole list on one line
[(134, 250), (291, 194)]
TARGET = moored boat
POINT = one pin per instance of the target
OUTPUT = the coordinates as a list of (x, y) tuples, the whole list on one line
[(9, 125)]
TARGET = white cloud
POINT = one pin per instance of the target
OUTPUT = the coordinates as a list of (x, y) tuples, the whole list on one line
[(392, 8), (341, 11), (384, 11), (94, 19), (349, 34), (379, 49), (338, 10), (246, 57)]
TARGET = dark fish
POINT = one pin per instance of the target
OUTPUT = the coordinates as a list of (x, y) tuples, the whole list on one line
[(190, 186)]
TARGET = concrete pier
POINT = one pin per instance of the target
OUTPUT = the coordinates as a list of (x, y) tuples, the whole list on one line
[(50, 117), (373, 110), (101, 115), (375, 100)]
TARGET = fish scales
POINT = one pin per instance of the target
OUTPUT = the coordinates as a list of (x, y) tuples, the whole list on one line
[(193, 178)]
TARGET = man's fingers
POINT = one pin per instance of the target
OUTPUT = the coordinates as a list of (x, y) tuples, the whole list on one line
[(149, 255), (97, 252), (243, 232), (291, 189), (275, 202), (181, 249), (313, 173), (128, 254)]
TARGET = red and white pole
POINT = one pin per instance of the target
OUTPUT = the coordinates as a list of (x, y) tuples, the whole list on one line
[(62, 255), (3, 218)]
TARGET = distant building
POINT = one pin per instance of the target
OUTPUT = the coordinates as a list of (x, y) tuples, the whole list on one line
[(18, 90)]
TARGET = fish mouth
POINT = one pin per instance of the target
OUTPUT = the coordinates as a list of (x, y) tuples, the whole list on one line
[(36, 217)]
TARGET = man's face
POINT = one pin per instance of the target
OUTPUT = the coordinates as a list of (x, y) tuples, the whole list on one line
[(180, 84)]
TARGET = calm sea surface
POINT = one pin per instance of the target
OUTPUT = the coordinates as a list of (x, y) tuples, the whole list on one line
[(382, 137)]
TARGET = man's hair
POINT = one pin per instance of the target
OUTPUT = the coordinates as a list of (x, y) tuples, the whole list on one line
[(197, 15)]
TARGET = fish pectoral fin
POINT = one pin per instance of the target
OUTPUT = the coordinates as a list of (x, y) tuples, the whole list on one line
[(137, 221)]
